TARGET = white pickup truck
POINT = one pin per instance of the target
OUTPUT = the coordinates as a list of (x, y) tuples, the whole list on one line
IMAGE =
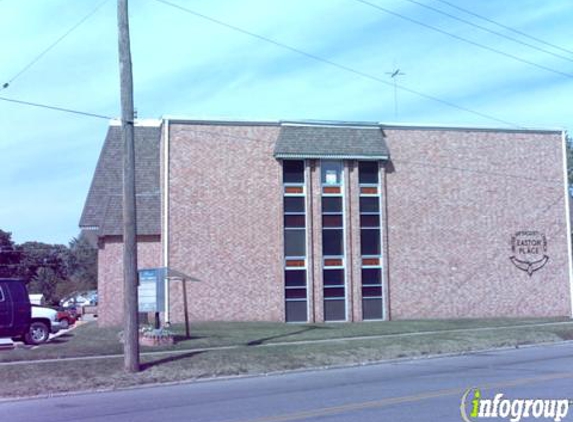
[(44, 322)]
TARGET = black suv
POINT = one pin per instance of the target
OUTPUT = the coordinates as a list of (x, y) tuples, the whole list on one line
[(15, 309)]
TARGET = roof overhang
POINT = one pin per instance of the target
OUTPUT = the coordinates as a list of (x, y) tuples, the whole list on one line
[(331, 157), (334, 142)]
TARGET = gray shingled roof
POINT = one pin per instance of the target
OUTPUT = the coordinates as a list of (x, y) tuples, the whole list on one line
[(103, 207), (337, 142)]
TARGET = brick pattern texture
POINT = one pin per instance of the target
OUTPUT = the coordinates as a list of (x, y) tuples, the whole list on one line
[(110, 275), (315, 218), (225, 221), (454, 200)]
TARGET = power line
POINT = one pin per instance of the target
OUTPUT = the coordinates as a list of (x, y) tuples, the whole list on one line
[(483, 28), (51, 46), (516, 31), (338, 65), (476, 44), (65, 110)]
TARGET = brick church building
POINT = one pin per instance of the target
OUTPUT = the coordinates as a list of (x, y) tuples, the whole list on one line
[(339, 221)]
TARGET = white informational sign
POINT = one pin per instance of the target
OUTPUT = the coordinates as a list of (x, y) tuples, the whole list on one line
[(151, 290)]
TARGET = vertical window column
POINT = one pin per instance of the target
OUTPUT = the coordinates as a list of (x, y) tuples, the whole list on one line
[(334, 280), (295, 259), (370, 240)]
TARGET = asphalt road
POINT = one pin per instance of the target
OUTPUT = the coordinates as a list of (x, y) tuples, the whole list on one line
[(417, 390)]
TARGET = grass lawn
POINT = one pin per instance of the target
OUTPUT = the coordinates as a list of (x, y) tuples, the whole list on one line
[(257, 348)]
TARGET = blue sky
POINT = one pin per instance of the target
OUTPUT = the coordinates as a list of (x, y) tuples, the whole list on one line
[(188, 66)]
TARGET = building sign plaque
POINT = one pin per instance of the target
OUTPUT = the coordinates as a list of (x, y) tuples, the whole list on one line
[(529, 251)]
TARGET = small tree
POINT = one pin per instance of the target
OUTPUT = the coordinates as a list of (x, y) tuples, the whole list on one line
[(82, 264), (45, 282), (9, 256), (45, 266), (52, 270)]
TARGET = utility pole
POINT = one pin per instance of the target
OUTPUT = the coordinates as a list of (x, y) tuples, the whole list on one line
[(130, 281)]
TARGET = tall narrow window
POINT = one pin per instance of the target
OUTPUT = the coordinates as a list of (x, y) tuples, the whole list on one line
[(333, 271), (294, 211), (370, 240)]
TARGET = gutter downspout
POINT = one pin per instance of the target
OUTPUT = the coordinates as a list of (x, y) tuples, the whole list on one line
[(567, 216), (165, 228)]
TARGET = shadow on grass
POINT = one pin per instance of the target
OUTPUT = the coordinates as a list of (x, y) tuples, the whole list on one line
[(303, 330), (148, 365), (58, 340), (565, 334), (181, 337), (65, 335)]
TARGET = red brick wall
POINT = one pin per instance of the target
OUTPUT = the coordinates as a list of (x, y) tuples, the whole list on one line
[(110, 275), (225, 222), (314, 213), (353, 255), (454, 200)]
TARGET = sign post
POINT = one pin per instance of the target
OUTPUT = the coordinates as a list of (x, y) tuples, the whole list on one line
[(186, 310), (151, 291)]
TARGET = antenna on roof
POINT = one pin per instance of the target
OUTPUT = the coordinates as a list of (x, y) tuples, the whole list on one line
[(394, 75)]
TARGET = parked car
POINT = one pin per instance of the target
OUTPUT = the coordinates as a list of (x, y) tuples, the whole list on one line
[(19, 319), (44, 321), (15, 308), (79, 299), (66, 318)]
